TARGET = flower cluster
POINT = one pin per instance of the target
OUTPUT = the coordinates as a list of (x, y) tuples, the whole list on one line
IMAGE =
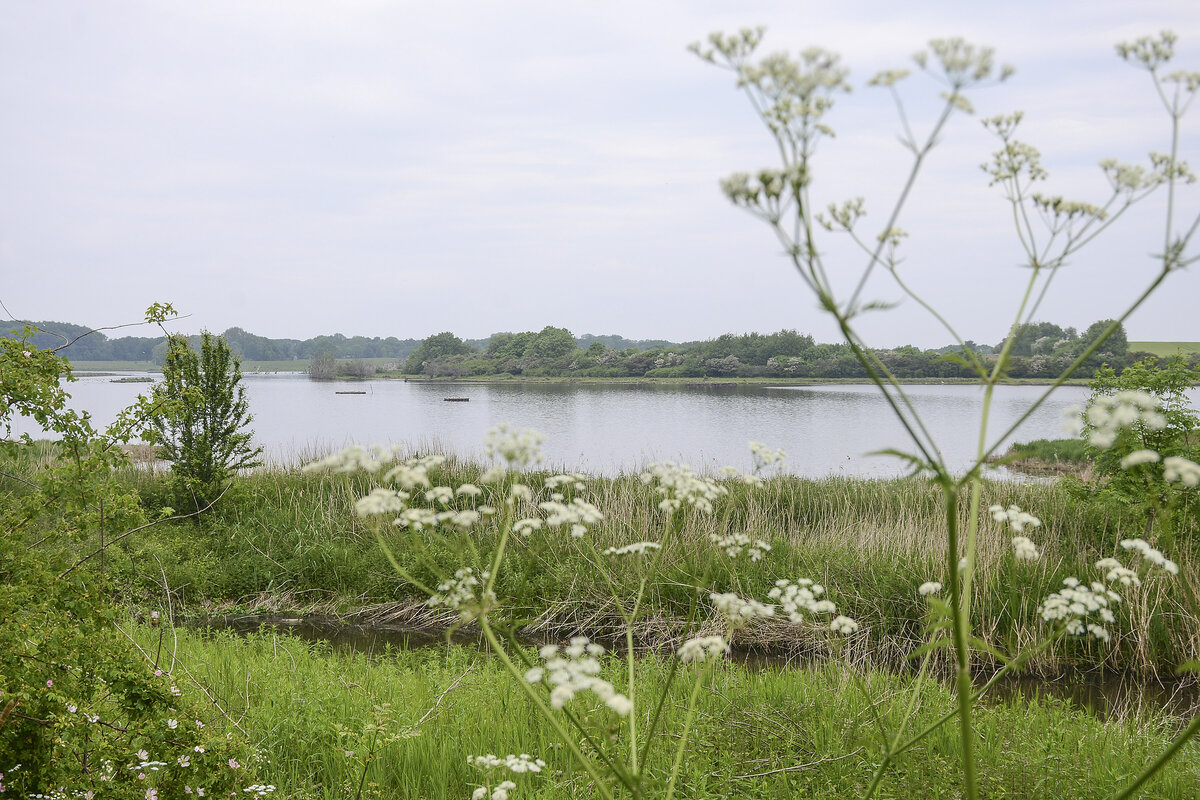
[(1177, 468), (738, 611), (579, 514), (929, 588), (1076, 604), (1109, 414), (635, 549), (518, 448), (462, 594), (1024, 549), (1116, 572), (381, 501), (765, 457), (1151, 555), (843, 625), (701, 648), (679, 484), (572, 480), (518, 764), (734, 543), (801, 596), (575, 669), (1014, 517), (356, 458)]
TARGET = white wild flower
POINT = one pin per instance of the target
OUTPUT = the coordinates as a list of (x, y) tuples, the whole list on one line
[(1014, 517), (462, 593), (1139, 457), (578, 514), (524, 527), (574, 480), (800, 596), (739, 611), (1177, 468), (1073, 605), (635, 549), (679, 485), (1108, 415), (1115, 572), (734, 543), (1151, 554), (381, 501), (929, 588), (574, 670), (843, 626), (701, 648), (1024, 549), (517, 447), (765, 457)]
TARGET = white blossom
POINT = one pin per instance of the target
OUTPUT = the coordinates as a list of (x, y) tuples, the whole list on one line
[(843, 625), (1024, 549), (462, 594), (801, 596), (637, 548), (1125, 409), (703, 647), (1014, 517), (734, 543), (517, 447), (1177, 468), (1151, 554), (929, 588), (678, 485), (738, 611), (578, 514), (1075, 603), (1139, 457), (574, 670)]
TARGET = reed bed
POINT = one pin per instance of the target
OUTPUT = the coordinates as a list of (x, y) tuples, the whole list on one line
[(290, 541)]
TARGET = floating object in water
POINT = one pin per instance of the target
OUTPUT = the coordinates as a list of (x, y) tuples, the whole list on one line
[(349, 392), (457, 399)]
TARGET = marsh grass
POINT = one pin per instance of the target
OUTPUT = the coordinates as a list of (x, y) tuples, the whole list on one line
[(283, 540), (761, 733)]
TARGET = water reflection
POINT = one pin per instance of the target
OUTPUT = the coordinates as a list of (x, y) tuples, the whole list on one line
[(610, 428)]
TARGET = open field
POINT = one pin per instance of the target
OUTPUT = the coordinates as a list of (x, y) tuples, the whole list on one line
[(1163, 349)]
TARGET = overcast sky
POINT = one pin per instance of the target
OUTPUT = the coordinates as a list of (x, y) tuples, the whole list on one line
[(402, 168)]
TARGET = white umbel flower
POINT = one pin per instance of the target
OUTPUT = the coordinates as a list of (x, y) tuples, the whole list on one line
[(702, 648)]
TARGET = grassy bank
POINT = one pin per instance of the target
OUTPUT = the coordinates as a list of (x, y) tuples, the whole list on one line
[(759, 733), (285, 540), (1049, 457)]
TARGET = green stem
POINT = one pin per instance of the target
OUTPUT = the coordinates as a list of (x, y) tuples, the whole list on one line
[(687, 725), (546, 712), (962, 650)]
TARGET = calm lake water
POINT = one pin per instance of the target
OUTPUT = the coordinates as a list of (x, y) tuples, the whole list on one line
[(618, 427)]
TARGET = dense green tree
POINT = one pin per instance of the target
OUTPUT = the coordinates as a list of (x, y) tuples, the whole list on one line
[(436, 347), (551, 343), (202, 419)]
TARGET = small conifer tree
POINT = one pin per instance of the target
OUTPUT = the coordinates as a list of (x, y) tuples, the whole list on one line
[(202, 419)]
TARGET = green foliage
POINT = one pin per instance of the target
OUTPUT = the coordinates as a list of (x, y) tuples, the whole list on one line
[(438, 346), (1169, 510), (201, 419), (79, 704)]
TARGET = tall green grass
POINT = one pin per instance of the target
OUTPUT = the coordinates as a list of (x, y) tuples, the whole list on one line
[(762, 733), (284, 540)]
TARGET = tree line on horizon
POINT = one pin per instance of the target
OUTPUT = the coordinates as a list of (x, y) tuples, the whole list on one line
[(1043, 349)]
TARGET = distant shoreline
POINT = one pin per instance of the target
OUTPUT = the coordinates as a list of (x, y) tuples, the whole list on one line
[(116, 369)]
